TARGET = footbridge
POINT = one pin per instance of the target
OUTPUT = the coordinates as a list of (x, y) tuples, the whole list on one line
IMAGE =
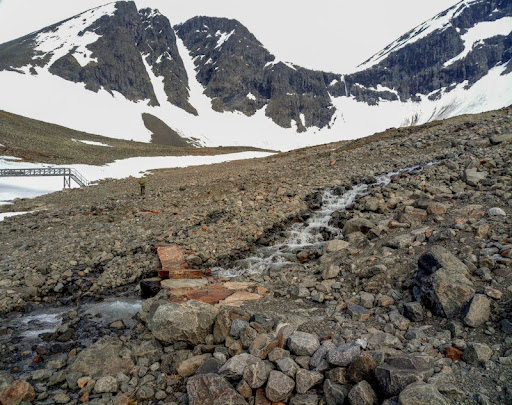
[(67, 173)]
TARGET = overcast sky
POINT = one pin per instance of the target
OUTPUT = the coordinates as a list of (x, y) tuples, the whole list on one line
[(332, 35)]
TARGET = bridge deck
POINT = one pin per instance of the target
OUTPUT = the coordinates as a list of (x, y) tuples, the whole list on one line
[(68, 174)]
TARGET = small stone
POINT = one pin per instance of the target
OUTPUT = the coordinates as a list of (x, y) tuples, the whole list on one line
[(287, 366), (362, 368), (106, 384), (496, 212), (335, 245), (189, 366), (305, 399), (413, 311), (478, 312), (263, 345), (493, 293), (334, 393), (256, 374), (358, 313), (367, 300)]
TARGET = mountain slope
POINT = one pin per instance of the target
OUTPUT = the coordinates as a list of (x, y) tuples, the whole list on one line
[(211, 80)]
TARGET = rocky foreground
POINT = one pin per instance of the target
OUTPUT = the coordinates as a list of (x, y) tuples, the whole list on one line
[(411, 306)]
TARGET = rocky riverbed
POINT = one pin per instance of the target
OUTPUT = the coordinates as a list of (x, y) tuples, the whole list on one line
[(400, 295)]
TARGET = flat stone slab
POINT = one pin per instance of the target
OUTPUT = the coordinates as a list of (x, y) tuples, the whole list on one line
[(238, 298), (183, 283)]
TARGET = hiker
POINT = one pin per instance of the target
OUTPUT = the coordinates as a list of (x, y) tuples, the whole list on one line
[(142, 182)]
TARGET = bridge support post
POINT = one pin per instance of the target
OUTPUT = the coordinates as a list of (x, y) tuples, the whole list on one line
[(67, 181)]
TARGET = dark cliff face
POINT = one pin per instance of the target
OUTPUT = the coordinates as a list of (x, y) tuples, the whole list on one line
[(239, 74), (124, 39), (419, 67)]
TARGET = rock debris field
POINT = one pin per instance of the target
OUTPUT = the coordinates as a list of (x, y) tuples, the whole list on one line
[(403, 297)]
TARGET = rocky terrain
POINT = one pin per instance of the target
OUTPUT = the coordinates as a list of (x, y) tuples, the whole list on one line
[(406, 298)]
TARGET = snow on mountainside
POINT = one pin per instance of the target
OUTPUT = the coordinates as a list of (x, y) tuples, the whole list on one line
[(211, 80)]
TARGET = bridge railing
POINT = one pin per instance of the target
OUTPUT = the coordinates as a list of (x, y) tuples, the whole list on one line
[(68, 174)]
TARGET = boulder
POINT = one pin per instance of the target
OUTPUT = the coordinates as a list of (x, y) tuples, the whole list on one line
[(477, 353), (305, 380), (442, 283), (398, 372), (413, 311), (357, 225), (189, 366), (102, 358), (335, 245), (190, 322), (420, 393), (279, 386), (287, 366), (362, 394), (303, 344), (256, 374), (19, 391), (474, 177), (263, 345), (343, 355), (334, 393), (504, 138), (212, 389), (234, 368), (478, 311)]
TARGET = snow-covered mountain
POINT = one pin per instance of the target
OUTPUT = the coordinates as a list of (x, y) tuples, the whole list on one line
[(210, 80)]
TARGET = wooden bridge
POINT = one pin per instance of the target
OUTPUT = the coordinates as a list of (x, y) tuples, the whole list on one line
[(67, 173)]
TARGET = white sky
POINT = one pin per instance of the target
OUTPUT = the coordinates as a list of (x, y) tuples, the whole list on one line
[(331, 35)]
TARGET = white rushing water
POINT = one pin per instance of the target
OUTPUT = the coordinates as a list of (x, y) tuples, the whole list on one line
[(306, 235)]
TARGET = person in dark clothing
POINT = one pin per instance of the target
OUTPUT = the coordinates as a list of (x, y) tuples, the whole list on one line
[(142, 183)]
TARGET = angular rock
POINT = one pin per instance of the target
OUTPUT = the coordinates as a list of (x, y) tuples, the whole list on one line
[(362, 368), (263, 345), (400, 371), (189, 366), (420, 393), (279, 386), (477, 353), (400, 321), (209, 366), (496, 212), (330, 271), (413, 311), (303, 344), (358, 313), (256, 374), (474, 177), (335, 245), (357, 225), (190, 322), (343, 355), (106, 384), (234, 368), (478, 311), (237, 326), (18, 391), (335, 394), (442, 282), (102, 358), (305, 380), (362, 394), (212, 389), (287, 366)]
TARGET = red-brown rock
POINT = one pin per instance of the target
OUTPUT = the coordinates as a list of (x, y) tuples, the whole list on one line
[(19, 391)]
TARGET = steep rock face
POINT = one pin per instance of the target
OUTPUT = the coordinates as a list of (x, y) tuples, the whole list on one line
[(239, 74), (457, 45), (104, 48)]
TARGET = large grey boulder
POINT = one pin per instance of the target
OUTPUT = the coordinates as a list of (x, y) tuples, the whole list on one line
[(442, 282), (343, 355), (303, 344), (102, 358), (190, 322), (398, 372), (420, 393), (212, 389), (279, 386), (477, 353)]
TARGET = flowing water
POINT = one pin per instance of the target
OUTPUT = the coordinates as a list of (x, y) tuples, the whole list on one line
[(308, 234)]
